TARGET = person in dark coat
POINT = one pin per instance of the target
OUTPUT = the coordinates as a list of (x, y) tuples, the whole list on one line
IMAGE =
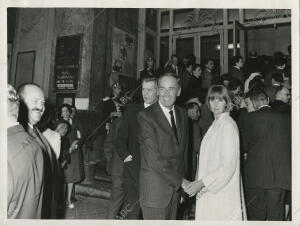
[(172, 66), (279, 67), (252, 64), (115, 167), (163, 140), (194, 88), (282, 99), (75, 170), (277, 79), (128, 148), (148, 71), (236, 70), (207, 75), (25, 166), (267, 168)]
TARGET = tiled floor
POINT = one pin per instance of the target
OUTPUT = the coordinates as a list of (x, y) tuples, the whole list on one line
[(88, 208)]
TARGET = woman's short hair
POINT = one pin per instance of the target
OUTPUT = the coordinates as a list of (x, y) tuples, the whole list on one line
[(219, 92)]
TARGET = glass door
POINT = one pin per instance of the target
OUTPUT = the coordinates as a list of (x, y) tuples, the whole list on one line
[(184, 45), (210, 48)]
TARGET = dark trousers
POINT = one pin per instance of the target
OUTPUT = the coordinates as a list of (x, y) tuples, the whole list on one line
[(117, 197), (131, 202), (265, 204), (168, 213)]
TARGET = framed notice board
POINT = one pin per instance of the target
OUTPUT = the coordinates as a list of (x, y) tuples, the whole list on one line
[(67, 63)]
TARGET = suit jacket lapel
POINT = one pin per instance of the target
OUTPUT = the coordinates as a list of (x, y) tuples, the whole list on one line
[(41, 141)]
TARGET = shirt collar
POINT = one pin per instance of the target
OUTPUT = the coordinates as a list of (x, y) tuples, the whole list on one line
[(166, 110), (146, 105), (265, 105), (31, 126), (237, 67)]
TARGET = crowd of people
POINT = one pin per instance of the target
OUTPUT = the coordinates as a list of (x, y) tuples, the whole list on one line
[(187, 137)]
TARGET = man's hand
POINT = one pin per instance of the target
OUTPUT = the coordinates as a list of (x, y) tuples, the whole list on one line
[(194, 187), (73, 146), (128, 158), (185, 183)]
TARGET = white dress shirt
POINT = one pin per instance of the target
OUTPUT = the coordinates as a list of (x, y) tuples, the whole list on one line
[(166, 112)]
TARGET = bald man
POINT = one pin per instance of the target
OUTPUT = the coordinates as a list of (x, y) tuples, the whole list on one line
[(32, 109), (25, 166)]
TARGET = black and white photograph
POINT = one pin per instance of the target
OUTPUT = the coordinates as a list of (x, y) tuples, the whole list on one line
[(130, 113)]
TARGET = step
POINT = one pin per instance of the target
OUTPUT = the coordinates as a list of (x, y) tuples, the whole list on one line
[(99, 189)]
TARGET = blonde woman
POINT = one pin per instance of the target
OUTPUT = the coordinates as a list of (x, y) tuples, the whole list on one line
[(218, 181)]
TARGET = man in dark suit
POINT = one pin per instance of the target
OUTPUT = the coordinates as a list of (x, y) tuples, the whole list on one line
[(236, 70), (172, 66), (163, 139), (282, 99), (128, 148), (207, 75), (33, 107), (115, 167), (24, 166), (267, 168)]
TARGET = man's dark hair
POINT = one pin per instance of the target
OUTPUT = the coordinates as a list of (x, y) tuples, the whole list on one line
[(234, 84), (257, 95), (195, 66), (235, 59), (191, 105), (256, 83), (174, 55), (207, 60), (150, 79)]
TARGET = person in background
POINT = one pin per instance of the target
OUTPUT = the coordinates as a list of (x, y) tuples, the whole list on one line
[(207, 75), (46, 127), (172, 66), (62, 127), (236, 70), (128, 148), (282, 100), (25, 166), (148, 71), (195, 87), (252, 64), (185, 77), (267, 143), (279, 67), (193, 112), (75, 170), (74, 112), (115, 167), (277, 80)]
